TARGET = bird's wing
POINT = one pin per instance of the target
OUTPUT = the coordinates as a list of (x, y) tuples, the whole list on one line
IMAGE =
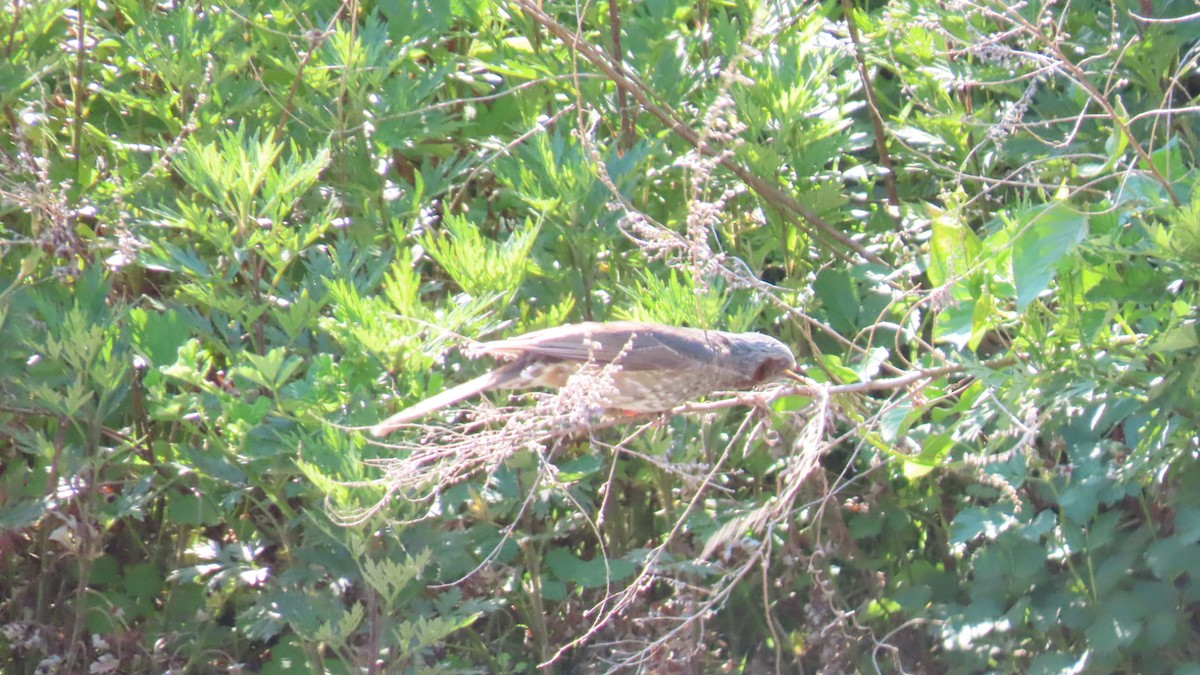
[(633, 345)]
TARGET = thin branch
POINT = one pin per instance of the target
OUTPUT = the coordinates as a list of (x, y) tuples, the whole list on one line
[(881, 137)]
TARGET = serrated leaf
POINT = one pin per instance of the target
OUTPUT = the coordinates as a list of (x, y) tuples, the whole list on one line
[(953, 250), (1044, 236), (593, 573)]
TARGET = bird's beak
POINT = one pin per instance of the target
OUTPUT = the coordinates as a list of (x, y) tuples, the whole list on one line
[(793, 375)]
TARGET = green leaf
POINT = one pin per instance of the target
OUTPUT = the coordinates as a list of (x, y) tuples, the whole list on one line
[(1168, 160), (191, 509), (954, 251), (143, 581), (271, 370), (895, 420), (933, 449), (1170, 557), (1055, 663), (183, 601), (593, 573), (1042, 238), (837, 369), (105, 612), (1080, 501), (288, 658), (480, 267), (580, 468), (1180, 338), (23, 514), (977, 521), (1187, 522), (837, 292), (159, 335)]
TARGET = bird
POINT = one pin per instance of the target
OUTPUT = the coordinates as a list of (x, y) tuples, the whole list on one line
[(656, 366)]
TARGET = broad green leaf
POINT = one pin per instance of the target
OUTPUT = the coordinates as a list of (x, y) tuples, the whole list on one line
[(933, 449), (592, 573), (188, 508), (1042, 238), (1170, 557), (976, 521), (954, 251)]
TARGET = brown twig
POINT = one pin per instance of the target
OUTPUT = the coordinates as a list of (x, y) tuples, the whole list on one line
[(625, 141), (881, 146), (315, 38)]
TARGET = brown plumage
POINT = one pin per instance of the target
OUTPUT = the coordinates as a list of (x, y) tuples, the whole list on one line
[(658, 367)]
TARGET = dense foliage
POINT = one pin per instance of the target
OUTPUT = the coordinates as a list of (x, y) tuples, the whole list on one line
[(232, 233)]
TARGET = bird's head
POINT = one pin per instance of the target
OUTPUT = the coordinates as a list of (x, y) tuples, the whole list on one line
[(760, 358)]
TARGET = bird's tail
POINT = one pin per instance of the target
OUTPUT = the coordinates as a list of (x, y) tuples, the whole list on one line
[(447, 398)]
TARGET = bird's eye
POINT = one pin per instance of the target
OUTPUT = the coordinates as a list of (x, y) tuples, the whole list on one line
[(766, 370)]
